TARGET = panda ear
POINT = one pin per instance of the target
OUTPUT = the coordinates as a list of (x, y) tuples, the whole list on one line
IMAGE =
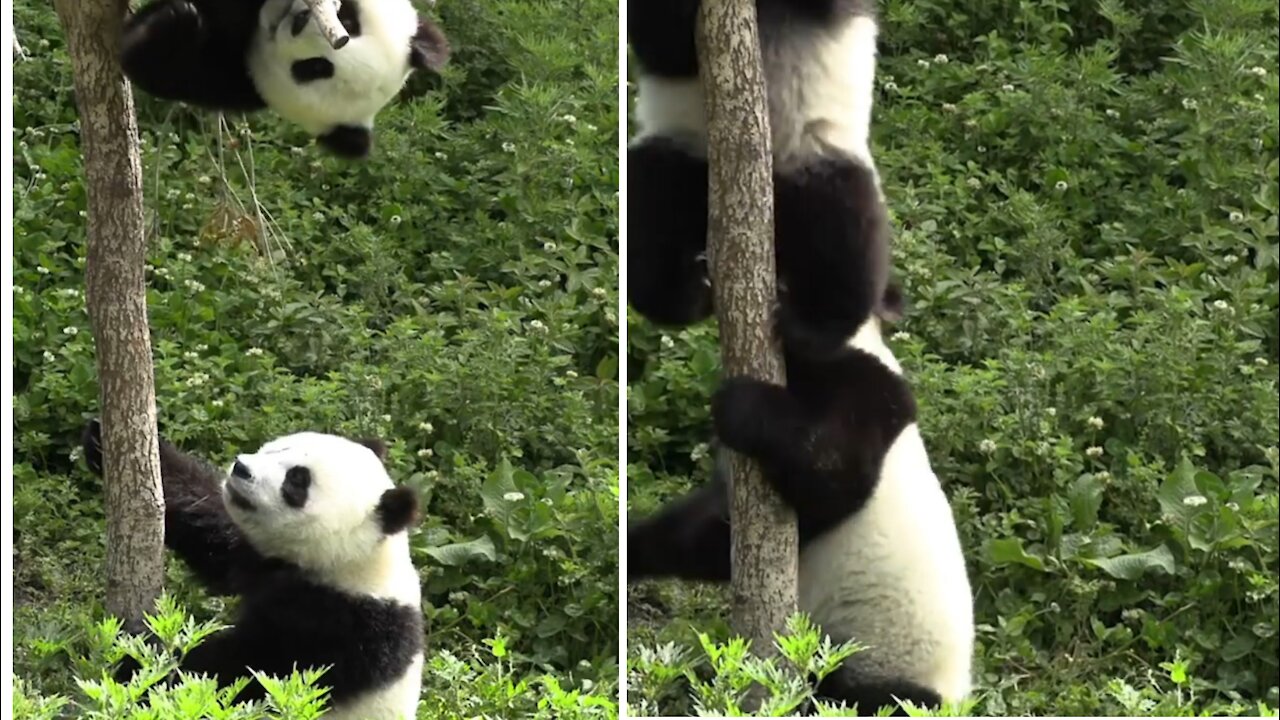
[(378, 447), (893, 304), (428, 48), (397, 510)]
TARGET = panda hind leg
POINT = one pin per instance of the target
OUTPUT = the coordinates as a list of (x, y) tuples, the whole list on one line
[(687, 539), (172, 50), (667, 277), (845, 686)]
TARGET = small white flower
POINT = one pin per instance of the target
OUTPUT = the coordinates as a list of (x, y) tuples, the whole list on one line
[(571, 374), (1094, 451), (948, 107), (49, 357), (184, 257), (549, 246), (599, 292), (1221, 305), (982, 148), (426, 427), (201, 347), (70, 330), (441, 156), (667, 342), (317, 216), (1233, 506), (18, 290), (296, 150), (544, 284), (508, 147), (42, 270), (205, 180), (1007, 87), (1051, 412), (569, 119), (941, 59), (1258, 70), (1190, 103), (900, 336), (189, 355), (254, 351), (425, 453), (194, 285), (396, 219), (386, 418), (1103, 475), (973, 182), (513, 496), (923, 63), (537, 325), (1230, 259), (1260, 362), (1194, 500), (1236, 217), (197, 379), (1061, 186), (591, 127), (891, 86), (1113, 113), (1096, 422), (987, 446)]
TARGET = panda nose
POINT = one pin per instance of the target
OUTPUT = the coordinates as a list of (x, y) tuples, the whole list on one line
[(300, 21), (241, 471)]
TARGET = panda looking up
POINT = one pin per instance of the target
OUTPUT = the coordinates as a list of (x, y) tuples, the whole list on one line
[(244, 55), (880, 559), (312, 535), (831, 229)]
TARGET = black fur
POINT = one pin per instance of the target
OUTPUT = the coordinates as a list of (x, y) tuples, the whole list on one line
[(297, 486), (347, 141), (429, 49), (831, 240), (397, 510), (284, 619), (845, 686), (311, 69)]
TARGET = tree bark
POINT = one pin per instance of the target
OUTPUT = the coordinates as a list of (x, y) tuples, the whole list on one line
[(115, 293), (765, 546)]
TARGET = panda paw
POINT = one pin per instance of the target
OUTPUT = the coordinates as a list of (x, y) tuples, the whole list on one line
[(172, 24), (740, 412), (91, 443)]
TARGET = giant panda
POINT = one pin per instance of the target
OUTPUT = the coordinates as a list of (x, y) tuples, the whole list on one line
[(312, 535), (880, 558), (830, 224), (244, 55)]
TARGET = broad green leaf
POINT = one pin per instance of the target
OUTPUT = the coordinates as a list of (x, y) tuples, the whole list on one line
[(1133, 566), (1085, 498), (1009, 550), (456, 554)]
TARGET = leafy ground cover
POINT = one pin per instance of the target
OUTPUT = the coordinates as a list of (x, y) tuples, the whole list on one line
[(456, 295), (1085, 197)]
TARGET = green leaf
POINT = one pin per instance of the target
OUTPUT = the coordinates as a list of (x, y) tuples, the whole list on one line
[(1009, 550), (607, 368), (1135, 565), (456, 554), (1085, 498), (1174, 491)]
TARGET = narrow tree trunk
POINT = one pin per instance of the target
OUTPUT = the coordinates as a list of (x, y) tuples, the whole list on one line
[(740, 251), (115, 292)]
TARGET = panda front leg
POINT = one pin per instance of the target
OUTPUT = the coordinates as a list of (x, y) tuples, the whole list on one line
[(831, 237), (197, 526), (688, 539), (171, 50), (667, 277)]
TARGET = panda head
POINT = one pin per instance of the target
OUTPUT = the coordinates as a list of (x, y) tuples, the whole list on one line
[(322, 502), (335, 94)]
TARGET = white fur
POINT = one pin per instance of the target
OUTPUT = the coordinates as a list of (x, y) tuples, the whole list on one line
[(892, 577), (820, 83), (336, 537), (369, 70)]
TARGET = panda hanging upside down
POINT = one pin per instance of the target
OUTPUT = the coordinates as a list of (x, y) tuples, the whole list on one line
[(312, 535), (245, 55)]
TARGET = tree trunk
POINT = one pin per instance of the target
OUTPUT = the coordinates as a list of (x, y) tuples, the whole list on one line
[(115, 293), (765, 550)]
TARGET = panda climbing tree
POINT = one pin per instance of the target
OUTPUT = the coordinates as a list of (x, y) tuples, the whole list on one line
[(740, 251)]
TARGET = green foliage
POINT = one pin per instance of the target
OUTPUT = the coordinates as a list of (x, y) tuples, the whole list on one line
[(456, 295), (1085, 200)]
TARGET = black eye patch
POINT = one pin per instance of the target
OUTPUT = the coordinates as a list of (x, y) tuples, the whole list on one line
[(311, 69), (297, 481)]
